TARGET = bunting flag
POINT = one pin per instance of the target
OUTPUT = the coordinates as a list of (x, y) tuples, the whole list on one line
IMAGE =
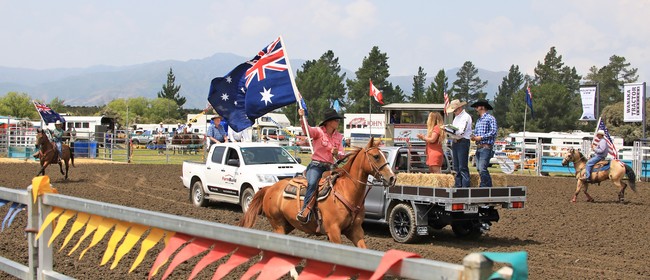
[(47, 114), (529, 101), (374, 92), (255, 87)]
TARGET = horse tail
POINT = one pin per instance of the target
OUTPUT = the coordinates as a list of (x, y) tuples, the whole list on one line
[(631, 176), (254, 209)]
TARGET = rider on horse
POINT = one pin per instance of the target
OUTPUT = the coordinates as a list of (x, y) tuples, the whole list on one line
[(328, 145), (601, 149)]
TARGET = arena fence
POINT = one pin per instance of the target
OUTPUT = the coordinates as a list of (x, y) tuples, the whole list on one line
[(280, 253)]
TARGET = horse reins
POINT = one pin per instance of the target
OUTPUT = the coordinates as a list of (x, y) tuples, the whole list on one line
[(356, 208)]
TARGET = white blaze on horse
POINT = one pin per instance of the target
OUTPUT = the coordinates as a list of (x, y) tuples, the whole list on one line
[(602, 171), (341, 210)]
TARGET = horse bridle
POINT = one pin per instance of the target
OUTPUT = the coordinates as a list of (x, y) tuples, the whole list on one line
[(573, 159), (375, 169)]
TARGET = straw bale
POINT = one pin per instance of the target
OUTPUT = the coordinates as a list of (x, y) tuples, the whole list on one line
[(445, 180)]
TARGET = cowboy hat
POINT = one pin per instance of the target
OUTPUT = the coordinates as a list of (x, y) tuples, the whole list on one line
[(330, 114), (600, 132), (161, 122), (57, 122), (483, 103), (215, 116), (455, 104)]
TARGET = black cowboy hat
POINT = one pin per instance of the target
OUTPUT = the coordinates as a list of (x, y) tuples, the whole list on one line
[(483, 103), (330, 114)]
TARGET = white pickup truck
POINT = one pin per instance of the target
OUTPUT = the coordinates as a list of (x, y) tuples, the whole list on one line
[(234, 172)]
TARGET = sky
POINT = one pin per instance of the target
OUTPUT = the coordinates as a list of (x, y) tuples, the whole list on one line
[(433, 34)]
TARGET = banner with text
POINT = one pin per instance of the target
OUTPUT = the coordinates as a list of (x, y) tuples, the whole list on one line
[(588, 96), (634, 107)]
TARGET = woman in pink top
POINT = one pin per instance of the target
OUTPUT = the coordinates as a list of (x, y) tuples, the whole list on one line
[(328, 146), (435, 138)]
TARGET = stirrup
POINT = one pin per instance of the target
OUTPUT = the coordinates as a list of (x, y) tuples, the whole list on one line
[(300, 217)]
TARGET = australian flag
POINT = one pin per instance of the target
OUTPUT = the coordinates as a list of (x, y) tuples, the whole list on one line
[(260, 85), (47, 114)]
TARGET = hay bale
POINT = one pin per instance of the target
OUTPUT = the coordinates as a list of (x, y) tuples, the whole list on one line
[(445, 180)]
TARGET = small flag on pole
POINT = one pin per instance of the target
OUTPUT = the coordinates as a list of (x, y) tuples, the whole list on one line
[(529, 100), (374, 92), (446, 101)]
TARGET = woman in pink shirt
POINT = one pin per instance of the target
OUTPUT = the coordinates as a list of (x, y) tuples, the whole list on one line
[(328, 146)]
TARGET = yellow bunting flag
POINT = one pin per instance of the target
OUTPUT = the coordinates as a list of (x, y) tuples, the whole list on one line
[(92, 225), (61, 222), (120, 230), (151, 240), (79, 223), (134, 235), (104, 226), (56, 211), (41, 185)]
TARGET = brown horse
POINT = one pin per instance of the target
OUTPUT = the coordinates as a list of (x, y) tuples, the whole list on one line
[(342, 211), (616, 172), (48, 154)]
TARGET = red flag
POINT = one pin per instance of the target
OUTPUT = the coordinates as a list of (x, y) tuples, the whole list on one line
[(374, 92)]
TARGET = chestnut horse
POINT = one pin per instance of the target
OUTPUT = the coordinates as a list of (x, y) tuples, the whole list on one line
[(48, 154), (616, 172), (342, 211)]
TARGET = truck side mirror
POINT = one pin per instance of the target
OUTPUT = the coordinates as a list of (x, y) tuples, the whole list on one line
[(299, 160), (233, 162)]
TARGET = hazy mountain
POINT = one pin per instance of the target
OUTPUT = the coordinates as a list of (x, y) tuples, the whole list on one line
[(98, 85)]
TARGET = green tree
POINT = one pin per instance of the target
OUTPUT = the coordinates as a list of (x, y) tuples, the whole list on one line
[(163, 110), (419, 80), (18, 105), (610, 80), (57, 105), (469, 86), (320, 83), (630, 131), (171, 91), (436, 91), (373, 67), (509, 86)]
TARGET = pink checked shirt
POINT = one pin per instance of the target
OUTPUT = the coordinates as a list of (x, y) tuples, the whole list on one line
[(323, 144)]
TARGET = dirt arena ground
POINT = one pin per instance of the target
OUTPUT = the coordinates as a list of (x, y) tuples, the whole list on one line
[(601, 240)]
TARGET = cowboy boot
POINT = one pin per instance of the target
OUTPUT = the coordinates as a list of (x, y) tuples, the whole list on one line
[(303, 215)]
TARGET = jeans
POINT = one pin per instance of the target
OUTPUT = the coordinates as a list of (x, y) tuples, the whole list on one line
[(314, 173), (483, 156), (58, 148), (460, 154), (590, 164)]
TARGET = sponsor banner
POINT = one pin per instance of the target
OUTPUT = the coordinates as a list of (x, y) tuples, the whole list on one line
[(634, 106), (588, 96)]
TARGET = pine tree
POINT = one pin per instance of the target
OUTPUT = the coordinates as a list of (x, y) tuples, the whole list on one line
[(436, 91), (509, 86), (468, 87), (419, 95), (171, 91), (610, 80), (374, 67)]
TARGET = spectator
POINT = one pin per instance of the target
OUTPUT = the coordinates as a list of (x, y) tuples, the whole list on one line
[(460, 147), (434, 139), (485, 132), (216, 132)]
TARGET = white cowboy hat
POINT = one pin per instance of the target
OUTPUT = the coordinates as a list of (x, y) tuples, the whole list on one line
[(57, 122), (600, 132), (455, 104)]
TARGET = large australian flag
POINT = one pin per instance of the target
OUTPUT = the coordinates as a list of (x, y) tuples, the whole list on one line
[(264, 85)]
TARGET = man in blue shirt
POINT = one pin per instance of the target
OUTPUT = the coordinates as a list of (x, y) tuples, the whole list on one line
[(485, 132), (216, 133)]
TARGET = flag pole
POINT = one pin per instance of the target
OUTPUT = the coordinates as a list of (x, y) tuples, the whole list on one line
[(297, 94), (370, 107)]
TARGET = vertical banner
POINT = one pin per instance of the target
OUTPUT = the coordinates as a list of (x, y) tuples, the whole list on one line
[(634, 107), (588, 96)]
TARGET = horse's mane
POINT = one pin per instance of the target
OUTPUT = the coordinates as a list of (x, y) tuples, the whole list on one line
[(350, 158)]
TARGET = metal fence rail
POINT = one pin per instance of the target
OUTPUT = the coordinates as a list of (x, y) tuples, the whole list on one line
[(475, 266)]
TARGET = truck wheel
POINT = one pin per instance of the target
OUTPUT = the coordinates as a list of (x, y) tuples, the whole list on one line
[(466, 229), (246, 198), (402, 223), (197, 195)]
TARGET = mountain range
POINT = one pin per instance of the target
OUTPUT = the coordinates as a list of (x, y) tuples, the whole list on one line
[(98, 85)]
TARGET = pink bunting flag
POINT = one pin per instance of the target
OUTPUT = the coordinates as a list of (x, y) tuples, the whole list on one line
[(219, 251), (197, 246), (278, 266), (242, 255), (315, 270), (174, 243), (392, 260)]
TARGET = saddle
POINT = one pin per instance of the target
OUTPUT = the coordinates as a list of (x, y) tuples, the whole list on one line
[(602, 165), (300, 183)]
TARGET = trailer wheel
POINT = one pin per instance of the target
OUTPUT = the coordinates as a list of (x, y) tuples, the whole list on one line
[(246, 198), (402, 223), (466, 229), (197, 195)]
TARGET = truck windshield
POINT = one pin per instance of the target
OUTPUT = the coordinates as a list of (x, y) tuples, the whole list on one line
[(266, 155)]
